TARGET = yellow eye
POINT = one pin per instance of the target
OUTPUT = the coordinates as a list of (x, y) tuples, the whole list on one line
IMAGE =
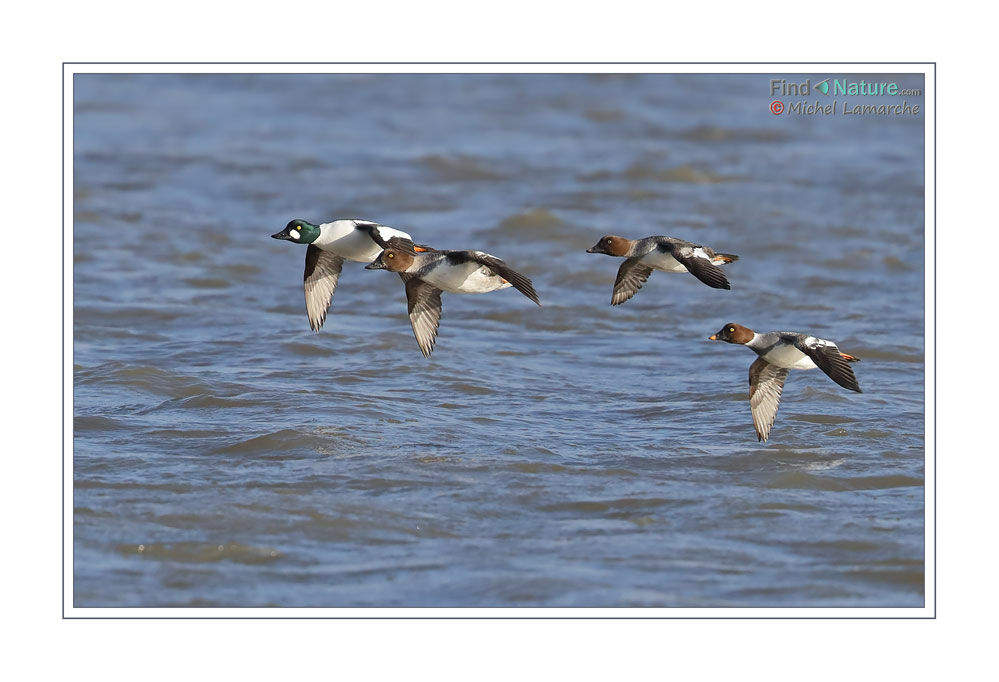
[(298, 227), (731, 329), (391, 255)]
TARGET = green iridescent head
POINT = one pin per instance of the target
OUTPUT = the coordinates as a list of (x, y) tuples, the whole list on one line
[(298, 230)]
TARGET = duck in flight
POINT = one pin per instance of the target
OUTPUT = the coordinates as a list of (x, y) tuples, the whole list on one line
[(330, 244), (429, 272), (780, 352), (668, 254)]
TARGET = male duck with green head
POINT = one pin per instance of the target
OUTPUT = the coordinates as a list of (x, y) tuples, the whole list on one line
[(330, 244)]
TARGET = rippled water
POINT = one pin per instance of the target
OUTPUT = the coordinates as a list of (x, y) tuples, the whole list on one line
[(569, 455)]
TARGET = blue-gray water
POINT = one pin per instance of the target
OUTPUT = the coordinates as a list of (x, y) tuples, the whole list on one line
[(576, 454)]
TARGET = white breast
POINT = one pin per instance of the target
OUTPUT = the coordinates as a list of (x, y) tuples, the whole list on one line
[(467, 278), (344, 239), (484, 280), (786, 355), (662, 261)]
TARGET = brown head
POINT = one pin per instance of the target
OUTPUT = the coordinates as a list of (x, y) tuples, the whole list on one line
[(612, 245), (393, 258), (733, 333)]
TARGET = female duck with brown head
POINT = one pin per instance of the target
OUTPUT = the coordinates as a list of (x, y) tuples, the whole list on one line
[(660, 253), (780, 352), (428, 273)]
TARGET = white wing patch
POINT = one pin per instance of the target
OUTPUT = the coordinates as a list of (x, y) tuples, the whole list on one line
[(389, 232), (815, 342)]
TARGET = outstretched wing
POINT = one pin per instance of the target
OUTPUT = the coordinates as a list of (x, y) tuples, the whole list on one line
[(698, 263), (520, 282), (424, 312), (372, 230), (322, 272), (397, 242), (407, 245), (766, 383), (826, 355), (630, 278)]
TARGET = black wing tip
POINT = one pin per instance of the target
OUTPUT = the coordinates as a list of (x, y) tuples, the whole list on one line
[(534, 294), (709, 273), (715, 284), (719, 280), (846, 379), (522, 284)]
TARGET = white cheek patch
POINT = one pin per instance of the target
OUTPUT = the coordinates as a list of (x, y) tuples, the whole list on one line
[(295, 234)]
